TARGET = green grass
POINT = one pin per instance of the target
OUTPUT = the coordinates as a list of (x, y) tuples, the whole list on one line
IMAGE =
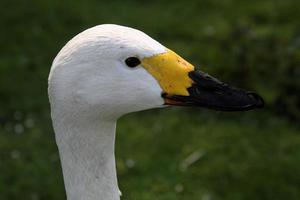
[(253, 155), (245, 156)]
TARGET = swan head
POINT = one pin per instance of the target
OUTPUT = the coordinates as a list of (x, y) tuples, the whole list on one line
[(111, 70)]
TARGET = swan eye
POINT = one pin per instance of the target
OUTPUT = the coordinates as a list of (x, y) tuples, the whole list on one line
[(132, 62)]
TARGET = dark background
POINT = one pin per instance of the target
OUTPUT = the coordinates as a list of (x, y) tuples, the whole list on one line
[(238, 156)]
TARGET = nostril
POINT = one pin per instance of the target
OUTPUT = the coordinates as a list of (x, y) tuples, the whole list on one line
[(259, 101)]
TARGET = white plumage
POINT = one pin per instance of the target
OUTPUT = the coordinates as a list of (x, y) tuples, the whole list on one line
[(90, 87), (92, 84)]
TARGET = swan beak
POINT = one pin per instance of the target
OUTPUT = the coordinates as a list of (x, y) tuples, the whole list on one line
[(182, 85)]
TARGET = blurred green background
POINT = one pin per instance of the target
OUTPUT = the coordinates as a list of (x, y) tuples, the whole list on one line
[(236, 156)]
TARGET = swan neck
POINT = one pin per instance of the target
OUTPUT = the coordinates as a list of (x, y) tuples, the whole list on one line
[(87, 158)]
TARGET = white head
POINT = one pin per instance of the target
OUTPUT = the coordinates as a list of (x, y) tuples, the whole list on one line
[(90, 75), (90, 72)]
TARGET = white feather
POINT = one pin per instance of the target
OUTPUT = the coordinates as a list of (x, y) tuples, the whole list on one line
[(90, 87)]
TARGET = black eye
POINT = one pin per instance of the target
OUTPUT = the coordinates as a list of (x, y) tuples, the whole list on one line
[(132, 62)]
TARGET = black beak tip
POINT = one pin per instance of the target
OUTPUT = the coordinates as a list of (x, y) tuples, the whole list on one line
[(259, 101)]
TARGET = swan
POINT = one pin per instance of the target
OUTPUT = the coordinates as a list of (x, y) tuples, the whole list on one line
[(110, 70)]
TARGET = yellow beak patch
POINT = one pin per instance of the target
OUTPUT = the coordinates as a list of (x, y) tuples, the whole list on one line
[(171, 72)]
